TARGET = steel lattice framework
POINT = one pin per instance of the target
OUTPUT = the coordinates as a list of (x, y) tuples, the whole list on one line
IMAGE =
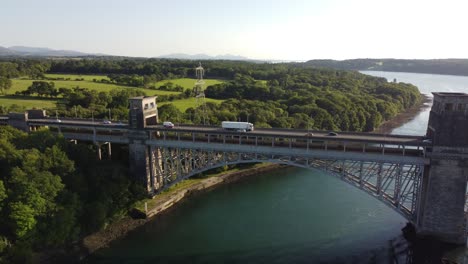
[(384, 167), (395, 184)]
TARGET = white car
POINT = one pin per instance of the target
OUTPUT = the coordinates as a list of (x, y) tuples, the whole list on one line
[(168, 124), (106, 122)]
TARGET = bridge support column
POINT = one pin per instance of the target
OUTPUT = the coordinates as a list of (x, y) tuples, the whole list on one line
[(109, 150), (441, 213), (443, 192), (99, 152), (145, 162), (140, 167)]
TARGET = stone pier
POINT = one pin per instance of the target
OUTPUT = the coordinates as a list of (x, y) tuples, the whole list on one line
[(441, 213), (143, 112)]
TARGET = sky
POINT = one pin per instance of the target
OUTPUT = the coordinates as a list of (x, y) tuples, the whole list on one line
[(257, 29)]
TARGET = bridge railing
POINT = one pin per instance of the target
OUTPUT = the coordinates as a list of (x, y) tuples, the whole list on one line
[(302, 142)]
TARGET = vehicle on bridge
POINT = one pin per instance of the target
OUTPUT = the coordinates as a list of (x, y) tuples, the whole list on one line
[(237, 126), (168, 124)]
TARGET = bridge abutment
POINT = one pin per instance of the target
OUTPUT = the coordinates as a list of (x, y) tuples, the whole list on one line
[(442, 213), (443, 196)]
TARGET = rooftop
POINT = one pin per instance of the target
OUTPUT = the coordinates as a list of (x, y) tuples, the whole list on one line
[(446, 94)]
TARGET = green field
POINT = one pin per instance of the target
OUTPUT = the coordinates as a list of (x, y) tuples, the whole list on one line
[(21, 85), (184, 104), (30, 102), (27, 102), (188, 83)]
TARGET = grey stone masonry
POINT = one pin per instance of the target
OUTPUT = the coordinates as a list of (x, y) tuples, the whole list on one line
[(448, 120), (143, 112), (441, 214), (139, 158)]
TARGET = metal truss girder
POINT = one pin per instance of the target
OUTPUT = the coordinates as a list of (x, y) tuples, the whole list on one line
[(395, 184)]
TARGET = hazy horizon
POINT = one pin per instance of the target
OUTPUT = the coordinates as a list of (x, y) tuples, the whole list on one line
[(257, 29)]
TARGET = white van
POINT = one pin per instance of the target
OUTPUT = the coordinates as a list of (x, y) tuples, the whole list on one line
[(168, 124)]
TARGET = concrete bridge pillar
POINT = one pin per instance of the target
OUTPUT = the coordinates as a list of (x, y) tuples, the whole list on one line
[(441, 210)]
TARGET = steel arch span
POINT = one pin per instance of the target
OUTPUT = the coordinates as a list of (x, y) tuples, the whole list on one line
[(395, 184)]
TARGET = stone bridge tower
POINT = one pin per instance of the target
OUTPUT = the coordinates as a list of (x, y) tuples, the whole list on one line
[(143, 112), (441, 213)]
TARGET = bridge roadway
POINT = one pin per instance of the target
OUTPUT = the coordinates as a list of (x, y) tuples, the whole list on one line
[(405, 140), (397, 148)]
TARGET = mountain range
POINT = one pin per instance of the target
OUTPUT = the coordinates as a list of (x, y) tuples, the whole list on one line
[(41, 52), (204, 57), (47, 52)]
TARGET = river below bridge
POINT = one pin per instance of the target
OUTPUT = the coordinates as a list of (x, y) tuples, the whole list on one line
[(288, 216)]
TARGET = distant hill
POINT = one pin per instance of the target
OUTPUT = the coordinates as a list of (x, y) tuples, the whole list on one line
[(41, 52), (436, 66), (204, 57)]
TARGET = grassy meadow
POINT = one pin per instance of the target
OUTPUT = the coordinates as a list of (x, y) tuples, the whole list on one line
[(184, 104), (21, 85), (28, 102), (187, 83)]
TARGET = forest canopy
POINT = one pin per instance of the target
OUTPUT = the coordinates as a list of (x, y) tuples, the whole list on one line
[(289, 95)]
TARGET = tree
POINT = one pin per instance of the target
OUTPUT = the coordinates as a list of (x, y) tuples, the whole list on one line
[(5, 84), (169, 112), (42, 88), (22, 218), (3, 194)]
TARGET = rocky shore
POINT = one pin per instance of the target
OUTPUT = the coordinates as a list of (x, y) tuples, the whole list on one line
[(404, 117), (120, 228)]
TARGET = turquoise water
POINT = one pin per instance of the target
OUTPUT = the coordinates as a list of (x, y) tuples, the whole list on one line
[(288, 216)]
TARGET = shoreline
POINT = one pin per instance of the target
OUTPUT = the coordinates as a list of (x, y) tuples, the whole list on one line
[(388, 126), (116, 230)]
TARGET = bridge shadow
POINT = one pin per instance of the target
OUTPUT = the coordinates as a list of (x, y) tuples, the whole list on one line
[(398, 251)]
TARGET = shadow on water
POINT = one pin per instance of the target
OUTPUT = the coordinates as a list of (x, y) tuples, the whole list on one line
[(428, 250), (398, 251)]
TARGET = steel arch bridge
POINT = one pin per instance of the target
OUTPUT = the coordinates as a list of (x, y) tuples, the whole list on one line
[(397, 184), (424, 178), (389, 168)]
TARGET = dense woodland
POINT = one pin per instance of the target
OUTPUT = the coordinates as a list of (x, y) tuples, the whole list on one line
[(439, 66), (53, 192), (270, 95)]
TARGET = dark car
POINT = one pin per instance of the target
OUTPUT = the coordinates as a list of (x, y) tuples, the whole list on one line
[(332, 134)]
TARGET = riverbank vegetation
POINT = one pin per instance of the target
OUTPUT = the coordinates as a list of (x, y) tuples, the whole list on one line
[(435, 66), (52, 192)]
